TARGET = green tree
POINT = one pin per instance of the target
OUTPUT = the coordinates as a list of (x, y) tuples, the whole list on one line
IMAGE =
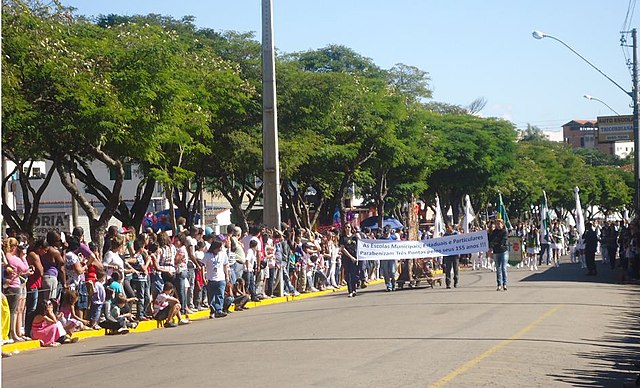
[(475, 155)]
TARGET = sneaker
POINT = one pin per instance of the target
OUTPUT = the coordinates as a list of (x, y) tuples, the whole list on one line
[(134, 325), (504, 288), (220, 315), (350, 295), (184, 322), (296, 293), (170, 324), (353, 294), (124, 330), (211, 316), (313, 289), (499, 288)]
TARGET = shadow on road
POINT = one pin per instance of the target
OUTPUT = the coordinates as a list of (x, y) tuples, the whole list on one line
[(569, 272), (619, 344), (111, 349)]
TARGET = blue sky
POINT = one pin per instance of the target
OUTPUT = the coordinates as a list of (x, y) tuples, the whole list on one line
[(470, 48)]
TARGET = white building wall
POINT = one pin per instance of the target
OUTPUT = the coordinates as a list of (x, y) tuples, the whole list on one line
[(623, 149)]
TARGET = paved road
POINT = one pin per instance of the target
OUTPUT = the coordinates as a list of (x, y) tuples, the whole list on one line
[(553, 327)]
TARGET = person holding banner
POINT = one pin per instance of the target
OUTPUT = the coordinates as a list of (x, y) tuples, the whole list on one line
[(498, 244), (452, 262), (348, 250), (388, 267)]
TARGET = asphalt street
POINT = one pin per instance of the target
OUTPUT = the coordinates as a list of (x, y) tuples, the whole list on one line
[(553, 327)]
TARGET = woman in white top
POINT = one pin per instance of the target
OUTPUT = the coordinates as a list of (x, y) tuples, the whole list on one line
[(112, 261)]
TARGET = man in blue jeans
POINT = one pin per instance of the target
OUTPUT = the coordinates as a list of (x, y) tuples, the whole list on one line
[(498, 244), (216, 263)]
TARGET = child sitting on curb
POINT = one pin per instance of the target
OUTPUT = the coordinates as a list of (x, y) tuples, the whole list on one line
[(166, 306), (240, 297)]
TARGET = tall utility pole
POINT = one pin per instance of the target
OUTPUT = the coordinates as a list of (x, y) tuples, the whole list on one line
[(636, 134), (271, 166)]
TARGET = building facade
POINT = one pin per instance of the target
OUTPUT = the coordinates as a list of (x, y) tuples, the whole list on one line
[(585, 134)]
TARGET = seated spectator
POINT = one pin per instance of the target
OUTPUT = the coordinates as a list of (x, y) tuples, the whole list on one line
[(46, 328), (67, 312), (228, 298), (166, 306), (240, 297), (117, 322)]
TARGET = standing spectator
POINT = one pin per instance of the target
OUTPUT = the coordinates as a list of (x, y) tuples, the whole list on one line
[(75, 265), (53, 265), (348, 250), (180, 281), (249, 272), (590, 238), (216, 264), (112, 261), (498, 244), (16, 292), (34, 281), (140, 280), (239, 253), (97, 300), (451, 263)]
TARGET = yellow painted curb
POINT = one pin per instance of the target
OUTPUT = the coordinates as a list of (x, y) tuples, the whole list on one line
[(198, 315)]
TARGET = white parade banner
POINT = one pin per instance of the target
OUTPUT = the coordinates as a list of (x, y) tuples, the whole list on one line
[(456, 244)]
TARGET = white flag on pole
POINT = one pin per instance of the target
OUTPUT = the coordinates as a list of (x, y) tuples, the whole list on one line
[(469, 215), (438, 228), (579, 216)]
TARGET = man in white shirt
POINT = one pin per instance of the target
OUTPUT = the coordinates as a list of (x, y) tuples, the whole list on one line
[(216, 263)]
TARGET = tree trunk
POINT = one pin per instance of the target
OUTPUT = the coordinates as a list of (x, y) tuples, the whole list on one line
[(97, 222)]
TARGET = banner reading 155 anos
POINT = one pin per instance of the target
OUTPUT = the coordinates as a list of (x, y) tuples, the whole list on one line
[(457, 244)]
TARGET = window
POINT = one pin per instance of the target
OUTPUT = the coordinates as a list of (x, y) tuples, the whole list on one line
[(127, 172), (582, 142)]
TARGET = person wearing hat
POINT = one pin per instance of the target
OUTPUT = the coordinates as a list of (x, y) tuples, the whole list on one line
[(498, 244)]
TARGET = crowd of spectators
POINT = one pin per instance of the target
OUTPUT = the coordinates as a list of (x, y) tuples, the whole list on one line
[(58, 285)]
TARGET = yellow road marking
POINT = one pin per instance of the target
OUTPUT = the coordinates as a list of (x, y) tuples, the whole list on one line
[(494, 349)]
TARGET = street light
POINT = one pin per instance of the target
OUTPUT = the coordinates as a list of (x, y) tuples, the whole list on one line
[(588, 97), (634, 97)]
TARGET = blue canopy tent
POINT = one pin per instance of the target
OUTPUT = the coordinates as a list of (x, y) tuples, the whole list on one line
[(372, 223)]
